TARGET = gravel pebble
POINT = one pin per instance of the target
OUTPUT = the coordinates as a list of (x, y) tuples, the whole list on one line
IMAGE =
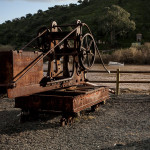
[(122, 123)]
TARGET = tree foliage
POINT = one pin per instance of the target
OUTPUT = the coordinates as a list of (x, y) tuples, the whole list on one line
[(19, 31), (115, 21)]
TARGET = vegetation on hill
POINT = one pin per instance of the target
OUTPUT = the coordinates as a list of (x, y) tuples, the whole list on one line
[(115, 22), (19, 31)]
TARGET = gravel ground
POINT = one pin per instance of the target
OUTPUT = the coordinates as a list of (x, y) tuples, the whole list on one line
[(122, 123)]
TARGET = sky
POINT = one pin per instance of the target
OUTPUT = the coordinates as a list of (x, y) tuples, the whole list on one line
[(10, 9)]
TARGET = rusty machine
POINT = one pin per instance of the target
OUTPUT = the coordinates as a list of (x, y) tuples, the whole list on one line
[(60, 85)]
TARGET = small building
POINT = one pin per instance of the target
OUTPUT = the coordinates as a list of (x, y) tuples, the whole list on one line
[(139, 37)]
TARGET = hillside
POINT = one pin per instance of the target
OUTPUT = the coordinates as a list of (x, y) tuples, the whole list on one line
[(21, 30)]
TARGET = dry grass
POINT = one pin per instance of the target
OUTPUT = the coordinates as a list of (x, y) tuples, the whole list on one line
[(133, 55), (6, 47)]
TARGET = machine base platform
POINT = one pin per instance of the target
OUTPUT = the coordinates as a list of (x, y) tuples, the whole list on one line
[(69, 100)]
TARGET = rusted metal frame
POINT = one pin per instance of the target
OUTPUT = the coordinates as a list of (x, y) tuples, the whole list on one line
[(67, 25), (68, 50), (58, 81), (81, 91), (94, 97), (71, 103), (36, 88), (82, 107), (55, 84), (59, 35), (65, 61), (32, 64), (60, 54), (72, 92), (78, 90), (61, 81), (34, 39)]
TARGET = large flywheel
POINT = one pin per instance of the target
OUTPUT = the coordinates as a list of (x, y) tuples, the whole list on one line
[(87, 51)]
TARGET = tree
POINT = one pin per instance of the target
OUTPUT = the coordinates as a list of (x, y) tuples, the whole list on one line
[(28, 16), (40, 11), (72, 5), (85, 2), (119, 2), (22, 18), (80, 1), (7, 21), (115, 21)]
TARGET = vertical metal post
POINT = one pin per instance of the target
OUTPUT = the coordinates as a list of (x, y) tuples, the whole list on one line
[(117, 82)]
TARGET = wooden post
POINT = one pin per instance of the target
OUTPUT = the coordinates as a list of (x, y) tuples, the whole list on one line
[(117, 82)]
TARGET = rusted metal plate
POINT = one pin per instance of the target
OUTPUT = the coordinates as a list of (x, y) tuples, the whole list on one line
[(13, 62), (59, 100), (23, 59)]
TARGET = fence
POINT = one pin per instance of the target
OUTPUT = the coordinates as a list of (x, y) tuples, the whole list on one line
[(117, 81)]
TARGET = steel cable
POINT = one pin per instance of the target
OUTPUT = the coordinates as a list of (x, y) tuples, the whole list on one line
[(99, 54)]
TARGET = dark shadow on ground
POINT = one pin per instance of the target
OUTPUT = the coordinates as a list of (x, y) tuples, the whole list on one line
[(10, 122)]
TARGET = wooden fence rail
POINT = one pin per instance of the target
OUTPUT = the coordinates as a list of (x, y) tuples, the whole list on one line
[(96, 71), (117, 81)]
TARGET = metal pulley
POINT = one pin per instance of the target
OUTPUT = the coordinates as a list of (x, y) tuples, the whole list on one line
[(87, 51)]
